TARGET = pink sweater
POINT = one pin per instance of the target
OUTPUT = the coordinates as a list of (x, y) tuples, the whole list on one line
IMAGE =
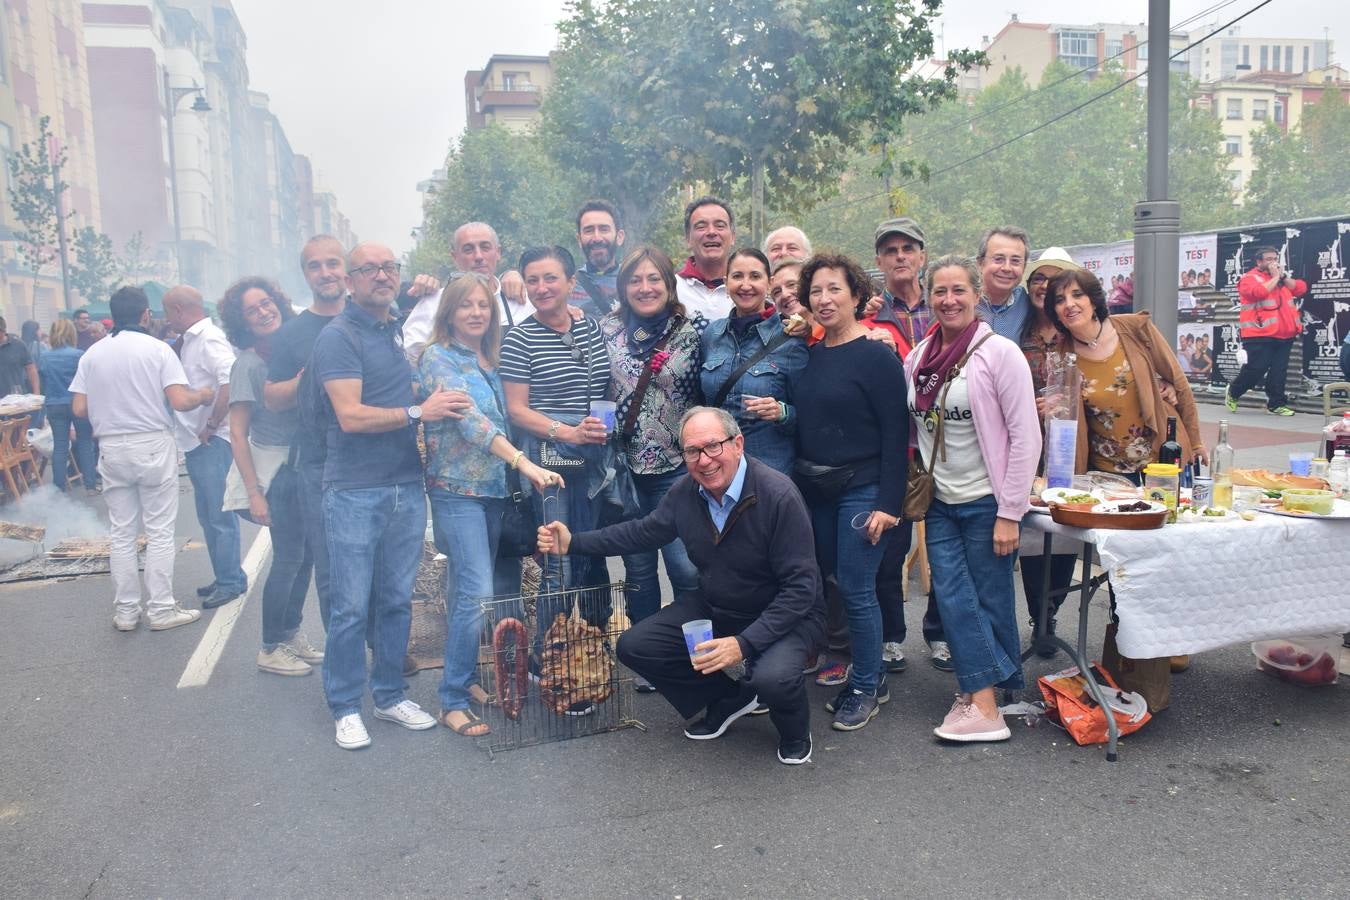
[(1003, 406)]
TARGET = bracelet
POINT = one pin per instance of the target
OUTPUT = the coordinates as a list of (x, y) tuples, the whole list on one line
[(515, 460)]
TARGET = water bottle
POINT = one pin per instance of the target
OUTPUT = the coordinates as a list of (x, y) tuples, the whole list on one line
[(1338, 474)]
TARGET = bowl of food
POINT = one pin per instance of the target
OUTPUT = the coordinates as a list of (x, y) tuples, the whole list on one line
[(1309, 500), (1071, 498), (1130, 515)]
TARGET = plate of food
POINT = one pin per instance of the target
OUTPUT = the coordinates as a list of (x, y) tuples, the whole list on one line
[(1073, 497), (1131, 515), (1308, 503), (1207, 515)]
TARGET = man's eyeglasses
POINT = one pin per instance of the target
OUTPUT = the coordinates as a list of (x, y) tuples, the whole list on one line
[(569, 340), (369, 269), (713, 450), (1002, 260)]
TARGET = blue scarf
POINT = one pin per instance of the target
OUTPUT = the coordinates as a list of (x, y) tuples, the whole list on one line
[(645, 331)]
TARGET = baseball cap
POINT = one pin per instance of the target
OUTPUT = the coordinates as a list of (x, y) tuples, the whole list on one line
[(903, 226)]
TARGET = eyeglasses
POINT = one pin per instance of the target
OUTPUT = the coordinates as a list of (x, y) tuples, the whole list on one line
[(264, 305), (390, 268), (1038, 278), (569, 341), (713, 450), (1002, 260)]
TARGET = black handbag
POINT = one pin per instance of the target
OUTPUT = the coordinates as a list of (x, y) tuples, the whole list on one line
[(518, 536)]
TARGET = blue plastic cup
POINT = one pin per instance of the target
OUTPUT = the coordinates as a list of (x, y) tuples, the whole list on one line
[(695, 633)]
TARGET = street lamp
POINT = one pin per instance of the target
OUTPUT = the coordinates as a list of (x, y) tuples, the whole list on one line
[(172, 95)]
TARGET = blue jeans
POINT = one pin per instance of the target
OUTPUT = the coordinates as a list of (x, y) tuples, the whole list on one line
[(309, 481), (975, 594), (640, 568), (854, 562), (60, 418), (287, 585), (207, 466), (471, 527), (374, 545)]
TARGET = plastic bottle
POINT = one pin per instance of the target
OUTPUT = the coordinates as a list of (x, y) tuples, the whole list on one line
[(1338, 473), (1221, 469)]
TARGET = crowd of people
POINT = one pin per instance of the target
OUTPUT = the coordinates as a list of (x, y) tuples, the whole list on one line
[(771, 408)]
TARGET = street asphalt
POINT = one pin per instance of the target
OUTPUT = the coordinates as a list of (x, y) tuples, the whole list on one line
[(116, 782)]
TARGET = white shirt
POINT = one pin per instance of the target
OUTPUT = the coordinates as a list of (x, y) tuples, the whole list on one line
[(421, 321), (207, 359), (123, 377), (963, 476), (702, 302)]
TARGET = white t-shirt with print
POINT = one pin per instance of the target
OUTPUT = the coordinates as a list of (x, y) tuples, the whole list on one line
[(963, 476)]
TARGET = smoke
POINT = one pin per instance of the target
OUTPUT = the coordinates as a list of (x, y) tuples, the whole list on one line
[(63, 518)]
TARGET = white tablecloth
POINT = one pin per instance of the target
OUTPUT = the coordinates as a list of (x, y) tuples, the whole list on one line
[(1188, 588)]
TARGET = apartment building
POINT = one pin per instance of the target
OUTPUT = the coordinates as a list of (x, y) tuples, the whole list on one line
[(507, 91)]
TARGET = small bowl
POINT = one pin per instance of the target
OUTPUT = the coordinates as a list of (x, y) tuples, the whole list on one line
[(1308, 500)]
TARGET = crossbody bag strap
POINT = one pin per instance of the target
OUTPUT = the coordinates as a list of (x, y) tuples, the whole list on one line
[(602, 303), (777, 341), (939, 446), (645, 380), (512, 473)]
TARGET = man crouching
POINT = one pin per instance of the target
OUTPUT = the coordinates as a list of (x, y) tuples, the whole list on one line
[(748, 532)]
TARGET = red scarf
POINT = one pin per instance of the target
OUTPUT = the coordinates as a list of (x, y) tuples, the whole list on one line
[(691, 271), (937, 363)]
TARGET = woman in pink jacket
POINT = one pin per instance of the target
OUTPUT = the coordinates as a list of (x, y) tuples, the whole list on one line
[(978, 386)]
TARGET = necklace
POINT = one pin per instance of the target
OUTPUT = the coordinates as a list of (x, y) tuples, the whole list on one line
[(1093, 343)]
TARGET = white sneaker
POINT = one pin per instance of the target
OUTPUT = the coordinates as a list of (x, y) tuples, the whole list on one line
[(302, 648), (941, 656), (127, 623), (351, 733), (282, 660), (173, 618), (408, 714), (892, 657)]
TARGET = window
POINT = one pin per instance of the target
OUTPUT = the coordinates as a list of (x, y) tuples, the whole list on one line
[(1233, 145), (1289, 58), (1306, 67), (1265, 59), (1078, 48), (1246, 55), (1259, 109), (1114, 48), (1275, 57), (1279, 112), (1234, 108)]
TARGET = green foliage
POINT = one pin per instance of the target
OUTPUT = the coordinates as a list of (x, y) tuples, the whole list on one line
[(507, 180), (1302, 174), (1073, 182), (94, 266), (33, 197), (650, 95)]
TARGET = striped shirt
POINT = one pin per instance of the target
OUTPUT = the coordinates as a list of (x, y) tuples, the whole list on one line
[(534, 354)]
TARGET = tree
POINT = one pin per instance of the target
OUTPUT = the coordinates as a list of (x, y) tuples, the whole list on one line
[(33, 196), (502, 178), (95, 264), (1302, 174), (653, 94), (1073, 182)]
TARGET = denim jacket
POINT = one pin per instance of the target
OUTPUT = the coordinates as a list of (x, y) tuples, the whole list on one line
[(458, 459), (56, 368), (772, 443)]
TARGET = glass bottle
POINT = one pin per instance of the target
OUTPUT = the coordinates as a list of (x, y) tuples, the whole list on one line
[(1221, 468), (1170, 451)]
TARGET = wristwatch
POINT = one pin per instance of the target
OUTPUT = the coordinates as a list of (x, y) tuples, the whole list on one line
[(553, 429), (414, 413)]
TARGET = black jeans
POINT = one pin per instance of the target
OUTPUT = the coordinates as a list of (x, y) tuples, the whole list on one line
[(309, 480), (1268, 358), (287, 584), (1033, 576), (654, 648), (891, 591)]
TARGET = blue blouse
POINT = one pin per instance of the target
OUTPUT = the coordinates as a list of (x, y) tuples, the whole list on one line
[(458, 459)]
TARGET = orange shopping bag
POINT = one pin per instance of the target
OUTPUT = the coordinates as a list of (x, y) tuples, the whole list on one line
[(1069, 703)]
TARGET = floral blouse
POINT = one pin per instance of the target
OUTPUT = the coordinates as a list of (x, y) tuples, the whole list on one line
[(458, 459), (1118, 438), (674, 388)]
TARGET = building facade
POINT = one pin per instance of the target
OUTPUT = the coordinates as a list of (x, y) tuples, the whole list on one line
[(507, 91)]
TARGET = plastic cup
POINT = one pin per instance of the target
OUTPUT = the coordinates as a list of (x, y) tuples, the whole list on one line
[(695, 633), (604, 411), (1300, 462), (859, 522)]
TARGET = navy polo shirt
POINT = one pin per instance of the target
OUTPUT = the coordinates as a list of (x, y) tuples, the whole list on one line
[(356, 345)]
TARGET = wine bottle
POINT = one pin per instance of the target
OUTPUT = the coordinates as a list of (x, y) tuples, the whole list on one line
[(1170, 451), (1221, 468)]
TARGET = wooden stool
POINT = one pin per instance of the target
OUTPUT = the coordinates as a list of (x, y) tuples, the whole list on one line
[(918, 555)]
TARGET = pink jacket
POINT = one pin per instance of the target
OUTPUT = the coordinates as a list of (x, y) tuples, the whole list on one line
[(1003, 404)]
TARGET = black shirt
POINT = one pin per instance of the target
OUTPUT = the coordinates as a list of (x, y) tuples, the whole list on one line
[(14, 359), (292, 347)]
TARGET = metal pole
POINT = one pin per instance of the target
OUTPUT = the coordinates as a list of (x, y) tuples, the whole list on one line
[(1157, 220), (54, 150), (170, 101)]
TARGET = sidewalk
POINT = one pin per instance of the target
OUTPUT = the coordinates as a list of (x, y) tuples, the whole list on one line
[(1261, 440)]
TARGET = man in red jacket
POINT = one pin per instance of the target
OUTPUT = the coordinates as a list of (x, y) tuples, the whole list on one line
[(1268, 323)]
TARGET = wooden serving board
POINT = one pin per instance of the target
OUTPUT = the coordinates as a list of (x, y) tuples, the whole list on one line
[(1078, 518)]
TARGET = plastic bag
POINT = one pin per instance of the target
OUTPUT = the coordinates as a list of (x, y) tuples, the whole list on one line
[(1309, 660), (40, 439), (1069, 703)]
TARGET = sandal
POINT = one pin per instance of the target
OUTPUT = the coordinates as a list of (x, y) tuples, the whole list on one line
[(471, 727)]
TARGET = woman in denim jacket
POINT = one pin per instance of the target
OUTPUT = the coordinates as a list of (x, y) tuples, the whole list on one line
[(466, 479), (761, 399)]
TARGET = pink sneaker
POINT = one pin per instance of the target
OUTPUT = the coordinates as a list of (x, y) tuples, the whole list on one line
[(965, 724)]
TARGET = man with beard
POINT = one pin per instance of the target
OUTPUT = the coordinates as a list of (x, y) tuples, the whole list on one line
[(710, 232), (599, 235)]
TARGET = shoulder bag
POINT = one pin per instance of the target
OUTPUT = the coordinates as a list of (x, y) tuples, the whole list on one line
[(919, 485)]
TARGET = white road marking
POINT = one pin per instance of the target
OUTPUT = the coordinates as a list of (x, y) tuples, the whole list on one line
[(212, 644)]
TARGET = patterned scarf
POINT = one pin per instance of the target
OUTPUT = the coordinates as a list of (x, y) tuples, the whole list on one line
[(645, 331), (937, 363)]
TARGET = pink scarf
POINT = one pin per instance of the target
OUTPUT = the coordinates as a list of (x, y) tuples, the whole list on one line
[(937, 363)]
